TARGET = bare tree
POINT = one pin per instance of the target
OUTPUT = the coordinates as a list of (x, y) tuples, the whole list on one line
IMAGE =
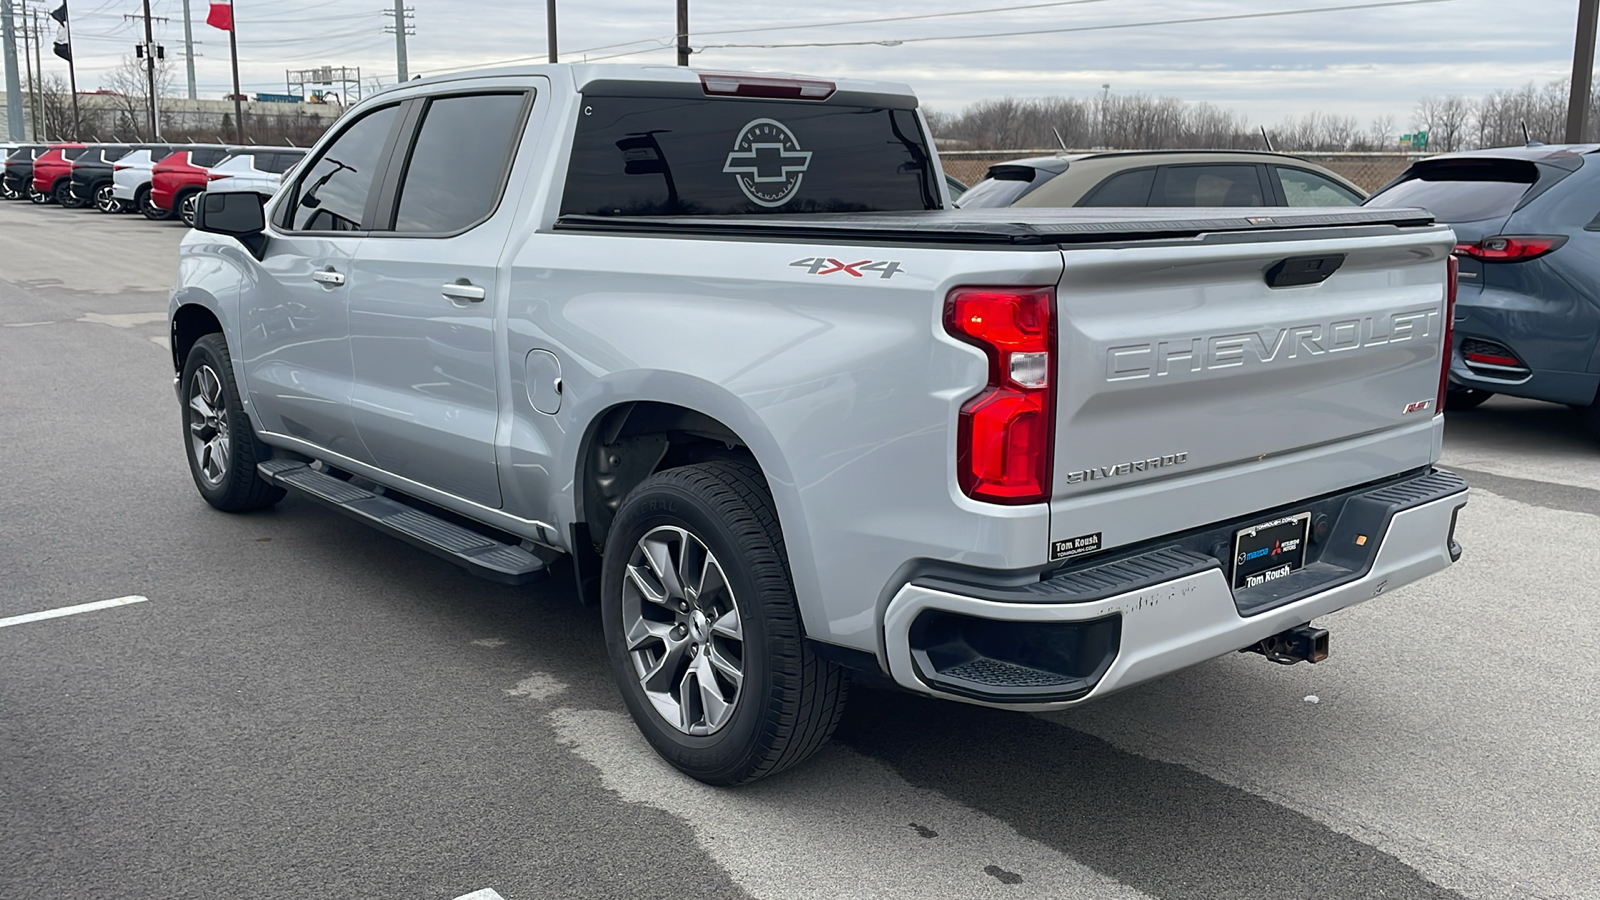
[(131, 90)]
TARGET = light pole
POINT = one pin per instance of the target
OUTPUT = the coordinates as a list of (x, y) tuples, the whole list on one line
[(550, 27), (1582, 70)]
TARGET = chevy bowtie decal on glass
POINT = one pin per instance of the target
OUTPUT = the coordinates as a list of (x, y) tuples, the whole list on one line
[(768, 162)]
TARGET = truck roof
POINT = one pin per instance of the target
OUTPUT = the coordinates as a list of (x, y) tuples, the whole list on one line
[(582, 75)]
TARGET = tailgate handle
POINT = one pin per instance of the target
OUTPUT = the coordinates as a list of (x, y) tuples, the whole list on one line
[(1302, 270)]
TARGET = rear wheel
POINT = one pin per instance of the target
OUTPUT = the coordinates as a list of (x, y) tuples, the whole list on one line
[(1457, 399), (222, 445), (63, 195), (703, 631), (105, 199), (147, 206), (9, 190), (186, 206)]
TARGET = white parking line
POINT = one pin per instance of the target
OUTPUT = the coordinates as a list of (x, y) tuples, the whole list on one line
[(485, 894), (70, 610)]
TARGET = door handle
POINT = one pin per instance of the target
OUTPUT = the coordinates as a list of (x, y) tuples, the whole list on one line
[(328, 277), (464, 290)]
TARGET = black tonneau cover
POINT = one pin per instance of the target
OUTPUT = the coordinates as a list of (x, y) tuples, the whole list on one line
[(1003, 226)]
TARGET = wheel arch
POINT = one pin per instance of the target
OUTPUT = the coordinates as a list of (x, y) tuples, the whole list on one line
[(654, 433), (190, 322)]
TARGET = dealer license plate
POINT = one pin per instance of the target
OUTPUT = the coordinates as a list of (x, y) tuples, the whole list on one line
[(1269, 551)]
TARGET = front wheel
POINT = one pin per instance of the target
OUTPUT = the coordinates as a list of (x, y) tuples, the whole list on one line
[(37, 196), (9, 191), (703, 630), (147, 206), (105, 199), (222, 446), (63, 196)]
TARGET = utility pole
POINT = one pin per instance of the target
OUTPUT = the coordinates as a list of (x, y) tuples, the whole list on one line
[(15, 125), (27, 61), (238, 98), (550, 26), (38, 67), (150, 71), (1582, 70), (683, 32), (402, 15), (188, 49)]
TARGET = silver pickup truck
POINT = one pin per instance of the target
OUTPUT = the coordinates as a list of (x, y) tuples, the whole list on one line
[(716, 347)]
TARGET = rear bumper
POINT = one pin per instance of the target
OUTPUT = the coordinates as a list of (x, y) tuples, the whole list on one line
[(1163, 610), (1554, 338)]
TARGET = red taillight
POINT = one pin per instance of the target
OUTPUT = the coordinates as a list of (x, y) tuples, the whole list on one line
[(1006, 441), (1452, 277), (213, 176), (1511, 249), (116, 168), (730, 85)]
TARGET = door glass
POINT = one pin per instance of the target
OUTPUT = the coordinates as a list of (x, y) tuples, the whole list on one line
[(1209, 186), (333, 194), (206, 157), (453, 182), (1126, 189), (1302, 188)]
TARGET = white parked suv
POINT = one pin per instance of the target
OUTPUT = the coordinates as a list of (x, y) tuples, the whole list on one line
[(258, 169), (130, 175)]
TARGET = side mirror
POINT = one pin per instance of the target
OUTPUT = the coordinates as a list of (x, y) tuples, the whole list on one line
[(240, 214)]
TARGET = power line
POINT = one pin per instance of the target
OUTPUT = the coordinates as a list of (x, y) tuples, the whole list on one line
[(1193, 20)]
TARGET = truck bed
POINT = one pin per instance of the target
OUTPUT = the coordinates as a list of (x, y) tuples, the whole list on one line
[(1032, 227)]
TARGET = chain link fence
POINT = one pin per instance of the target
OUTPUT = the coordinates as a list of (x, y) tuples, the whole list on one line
[(1369, 171)]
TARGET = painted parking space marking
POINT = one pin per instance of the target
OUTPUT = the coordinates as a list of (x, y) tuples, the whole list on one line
[(71, 610), (485, 894), (123, 320)]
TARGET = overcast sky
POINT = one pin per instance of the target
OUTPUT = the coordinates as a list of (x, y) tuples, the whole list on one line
[(1364, 63)]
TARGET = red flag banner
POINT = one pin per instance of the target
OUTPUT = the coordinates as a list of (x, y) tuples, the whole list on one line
[(221, 15)]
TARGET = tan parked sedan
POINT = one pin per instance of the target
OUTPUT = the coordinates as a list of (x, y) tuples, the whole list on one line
[(1161, 178)]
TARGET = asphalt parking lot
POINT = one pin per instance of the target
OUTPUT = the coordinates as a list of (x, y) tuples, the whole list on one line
[(303, 708)]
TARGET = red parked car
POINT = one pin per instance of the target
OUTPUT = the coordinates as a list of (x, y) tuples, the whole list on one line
[(177, 180), (52, 173)]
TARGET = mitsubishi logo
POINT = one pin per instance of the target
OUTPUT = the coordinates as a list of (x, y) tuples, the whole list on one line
[(767, 162)]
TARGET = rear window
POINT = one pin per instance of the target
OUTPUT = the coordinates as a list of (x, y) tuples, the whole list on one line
[(207, 157), (1126, 189), (1464, 190), (995, 192), (676, 156), (22, 153)]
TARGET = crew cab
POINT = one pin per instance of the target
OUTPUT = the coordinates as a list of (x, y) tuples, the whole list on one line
[(717, 348)]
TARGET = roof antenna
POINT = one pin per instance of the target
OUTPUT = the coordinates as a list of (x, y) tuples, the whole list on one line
[(1058, 138), (1267, 140), (1525, 138)]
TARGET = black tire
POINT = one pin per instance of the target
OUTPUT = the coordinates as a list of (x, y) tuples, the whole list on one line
[(9, 190), (63, 195), (790, 700), (183, 205), (148, 207), (1458, 399), (237, 487), (36, 197), (105, 199)]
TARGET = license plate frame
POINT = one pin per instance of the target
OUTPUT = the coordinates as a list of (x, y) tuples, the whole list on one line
[(1270, 550)]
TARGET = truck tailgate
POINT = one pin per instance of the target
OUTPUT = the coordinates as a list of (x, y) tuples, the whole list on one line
[(1190, 391)]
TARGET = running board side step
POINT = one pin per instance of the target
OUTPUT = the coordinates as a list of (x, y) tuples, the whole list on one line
[(482, 556)]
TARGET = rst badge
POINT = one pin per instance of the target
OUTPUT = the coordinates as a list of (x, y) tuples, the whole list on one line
[(824, 265)]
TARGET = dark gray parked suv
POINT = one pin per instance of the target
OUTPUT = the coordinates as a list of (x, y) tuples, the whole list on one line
[(1527, 222)]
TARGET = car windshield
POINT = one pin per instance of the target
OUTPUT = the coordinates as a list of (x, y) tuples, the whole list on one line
[(1464, 191)]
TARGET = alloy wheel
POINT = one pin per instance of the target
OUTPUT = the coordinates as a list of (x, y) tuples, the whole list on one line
[(187, 207), (209, 437), (105, 201), (683, 632)]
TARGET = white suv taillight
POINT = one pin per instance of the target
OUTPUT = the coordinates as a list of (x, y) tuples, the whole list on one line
[(1006, 440), (1452, 276)]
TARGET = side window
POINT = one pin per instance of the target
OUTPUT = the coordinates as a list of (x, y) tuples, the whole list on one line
[(206, 157), (1238, 185), (1123, 189), (458, 164), (1302, 188), (332, 194)]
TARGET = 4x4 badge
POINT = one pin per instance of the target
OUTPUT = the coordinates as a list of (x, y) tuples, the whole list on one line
[(767, 162)]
